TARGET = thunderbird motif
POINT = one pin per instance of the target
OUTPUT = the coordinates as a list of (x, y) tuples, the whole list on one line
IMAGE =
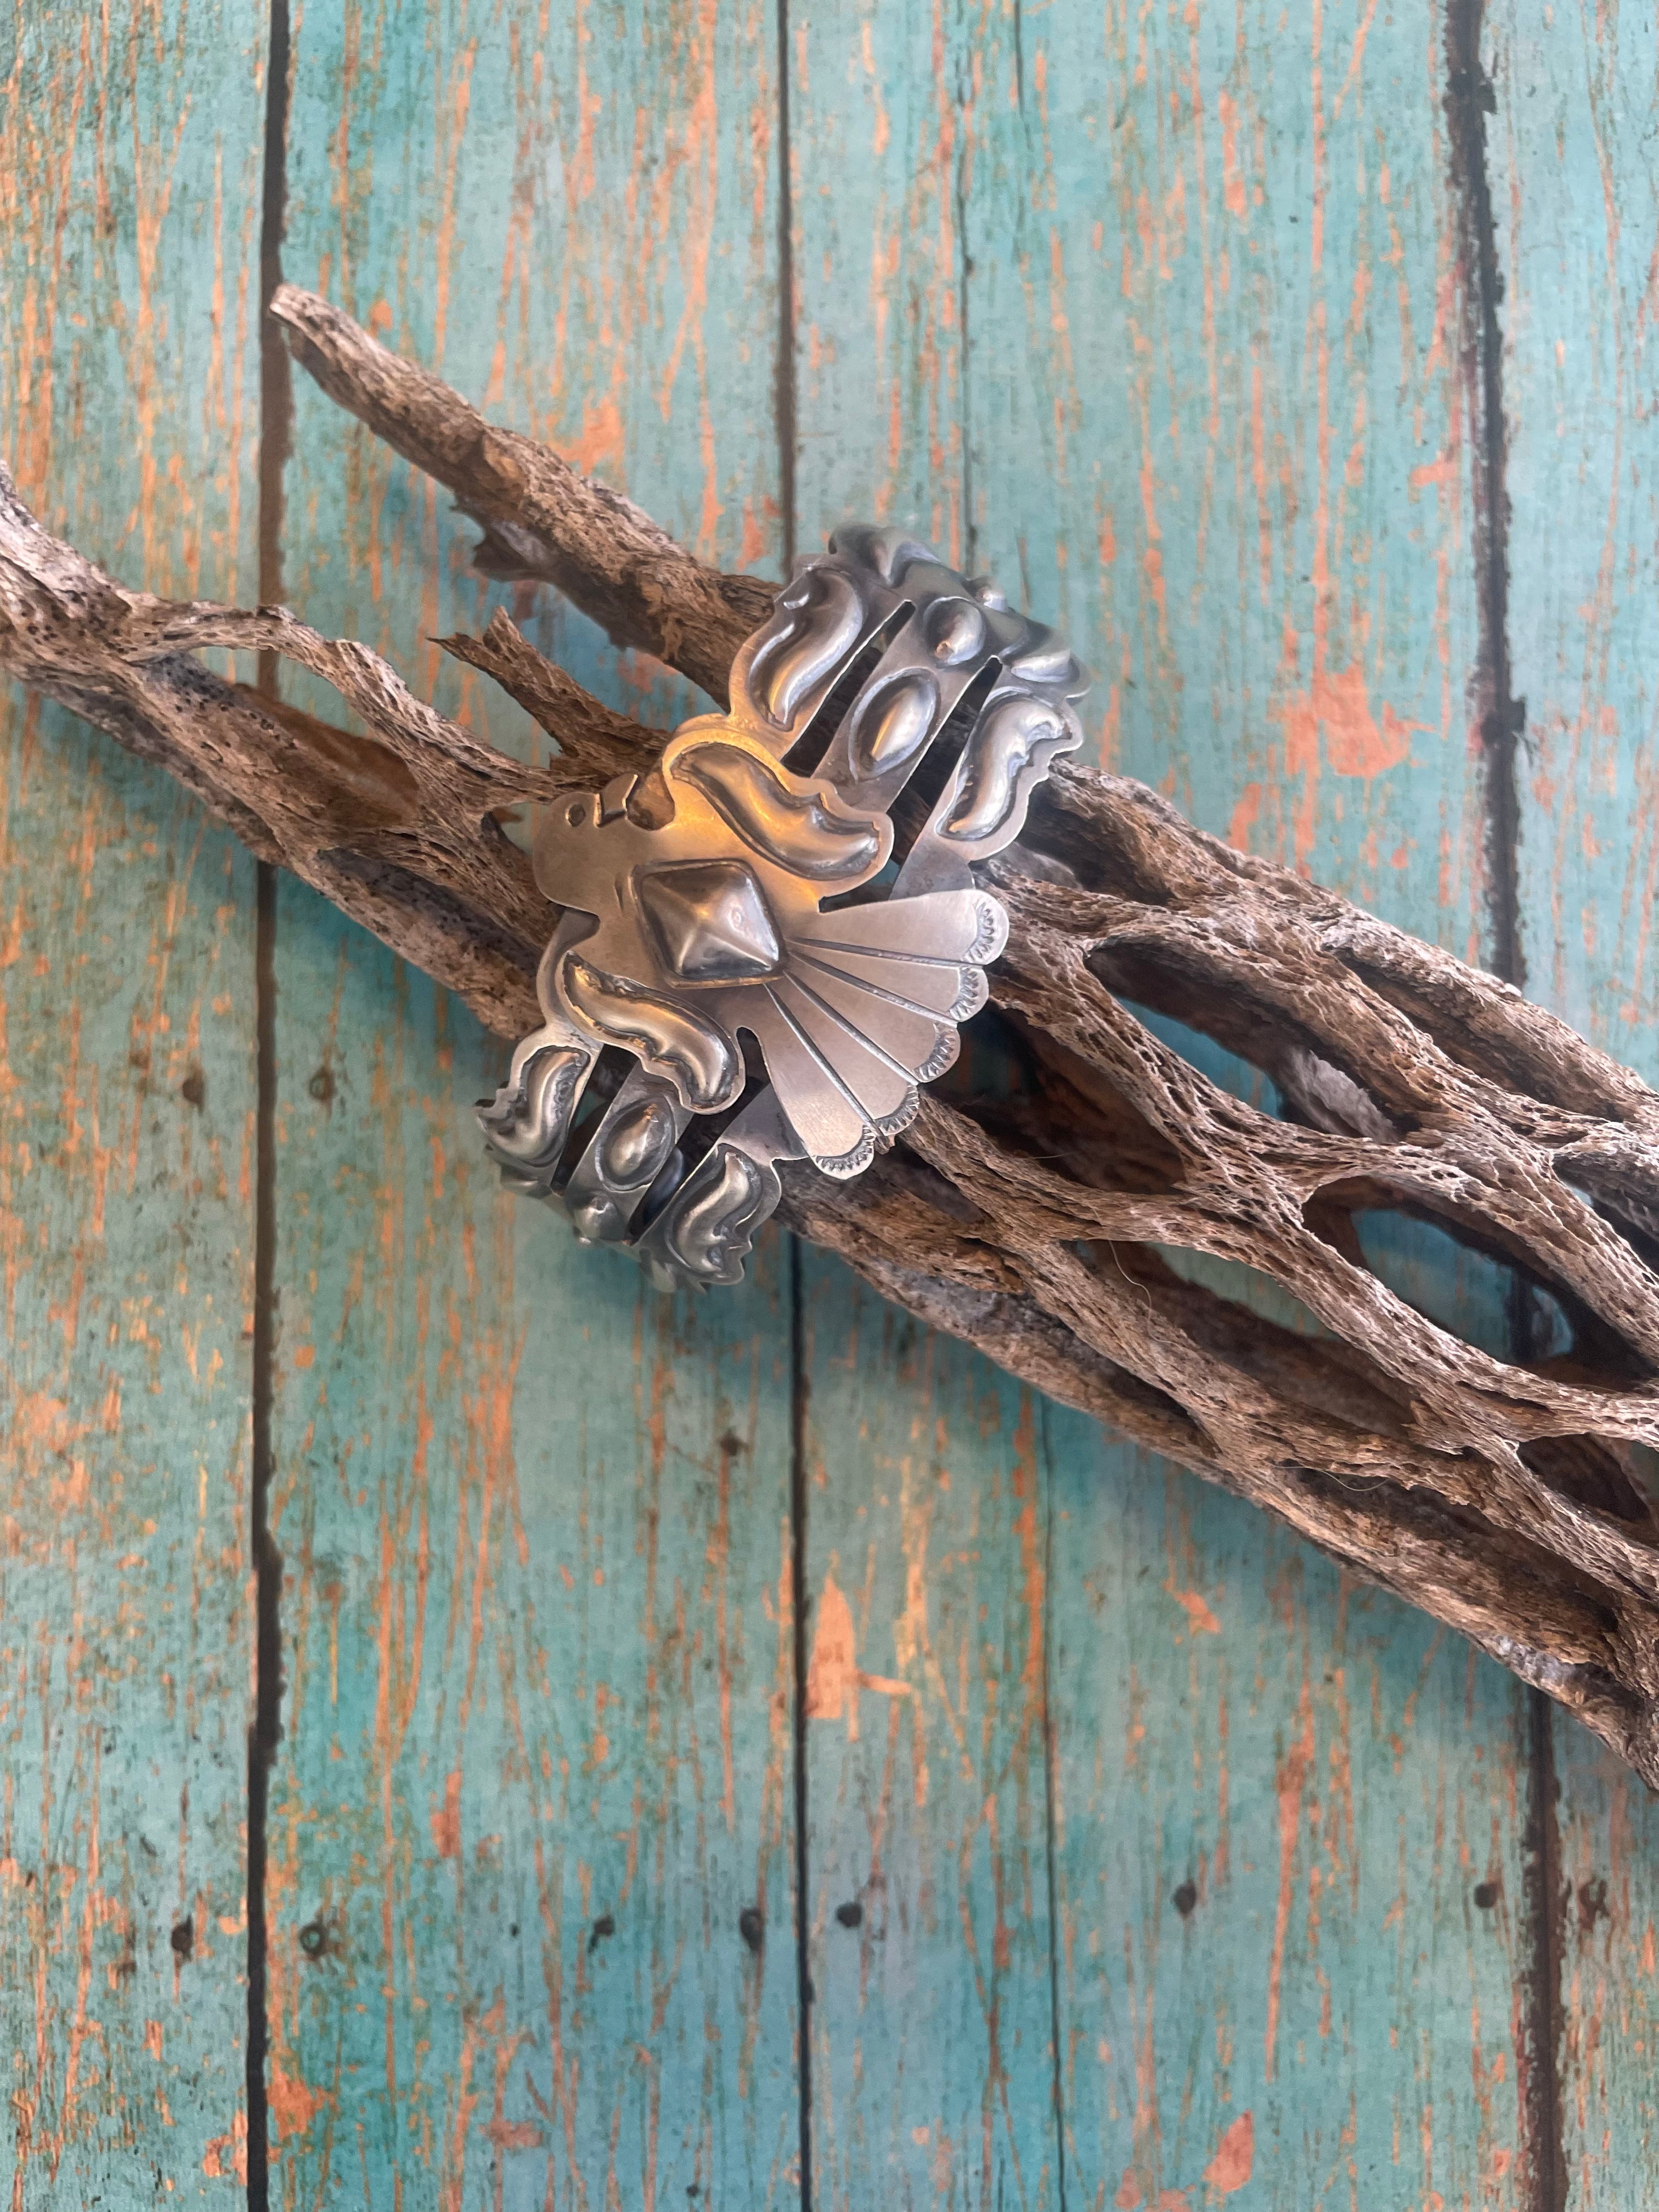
[(737, 925), (711, 925)]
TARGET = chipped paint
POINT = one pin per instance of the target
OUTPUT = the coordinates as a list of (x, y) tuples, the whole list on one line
[(129, 160)]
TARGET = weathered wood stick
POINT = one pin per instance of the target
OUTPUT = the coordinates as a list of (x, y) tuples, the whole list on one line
[(1036, 1217)]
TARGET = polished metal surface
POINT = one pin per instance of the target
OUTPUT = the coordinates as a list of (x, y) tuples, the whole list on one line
[(748, 888)]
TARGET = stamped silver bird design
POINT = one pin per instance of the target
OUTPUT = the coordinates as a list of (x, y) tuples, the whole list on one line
[(737, 926), (711, 925)]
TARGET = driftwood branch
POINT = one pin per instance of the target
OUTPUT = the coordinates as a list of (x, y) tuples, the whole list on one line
[(1037, 1217)]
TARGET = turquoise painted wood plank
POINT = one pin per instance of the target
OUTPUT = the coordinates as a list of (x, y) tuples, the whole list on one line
[(129, 177), (1152, 315), (933, 2072), (534, 1841), (1292, 1928), (1579, 192), (538, 1644), (1218, 421), (1576, 182)]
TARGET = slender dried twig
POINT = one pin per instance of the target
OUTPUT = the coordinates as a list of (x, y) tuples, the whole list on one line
[(1044, 1219)]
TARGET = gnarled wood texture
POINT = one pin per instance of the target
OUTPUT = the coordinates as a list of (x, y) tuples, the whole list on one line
[(1037, 1217)]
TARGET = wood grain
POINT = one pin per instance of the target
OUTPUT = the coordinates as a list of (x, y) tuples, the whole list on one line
[(128, 176), (1578, 184), (1216, 309), (929, 1934), (932, 2071), (1160, 319), (534, 1837)]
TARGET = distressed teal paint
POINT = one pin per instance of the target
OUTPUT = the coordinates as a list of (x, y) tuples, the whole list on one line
[(534, 1841), (1159, 316), (933, 2075), (538, 1648), (933, 2072), (1153, 316), (572, 217), (126, 381), (1217, 421), (1277, 1795), (1577, 185), (1577, 190)]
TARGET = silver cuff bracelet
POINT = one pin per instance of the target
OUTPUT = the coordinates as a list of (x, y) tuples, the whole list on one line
[(746, 969)]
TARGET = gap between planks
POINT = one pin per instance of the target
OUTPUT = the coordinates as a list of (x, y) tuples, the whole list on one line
[(275, 438), (1469, 99)]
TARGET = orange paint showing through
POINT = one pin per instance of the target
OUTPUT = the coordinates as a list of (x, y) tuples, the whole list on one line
[(294, 2103), (1232, 177), (1201, 1621), (1235, 2157), (1332, 719), (1244, 817), (446, 1819), (1335, 706), (225, 2157), (1130, 2196), (1290, 1780), (602, 442), (834, 1677)]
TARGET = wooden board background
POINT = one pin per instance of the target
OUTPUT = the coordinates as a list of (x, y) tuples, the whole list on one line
[(129, 320), (1107, 1848)]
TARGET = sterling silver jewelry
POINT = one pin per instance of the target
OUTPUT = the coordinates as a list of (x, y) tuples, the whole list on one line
[(743, 972)]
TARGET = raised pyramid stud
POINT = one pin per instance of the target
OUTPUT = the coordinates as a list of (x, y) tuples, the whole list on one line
[(710, 920)]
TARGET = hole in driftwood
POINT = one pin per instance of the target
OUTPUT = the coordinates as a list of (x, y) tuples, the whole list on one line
[(1228, 1069), (1632, 1214), (1245, 1320), (1246, 1046), (1245, 1286), (1048, 1104), (1458, 1271), (368, 787), (1466, 1291), (1489, 1040), (1609, 1477)]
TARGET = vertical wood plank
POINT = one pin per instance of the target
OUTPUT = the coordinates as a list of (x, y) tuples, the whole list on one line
[(1218, 421), (932, 2044), (926, 1521), (1152, 314), (129, 188), (1577, 186), (533, 1844), (1292, 1922)]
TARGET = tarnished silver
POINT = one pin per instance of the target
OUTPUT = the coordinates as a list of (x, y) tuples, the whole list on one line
[(745, 889)]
